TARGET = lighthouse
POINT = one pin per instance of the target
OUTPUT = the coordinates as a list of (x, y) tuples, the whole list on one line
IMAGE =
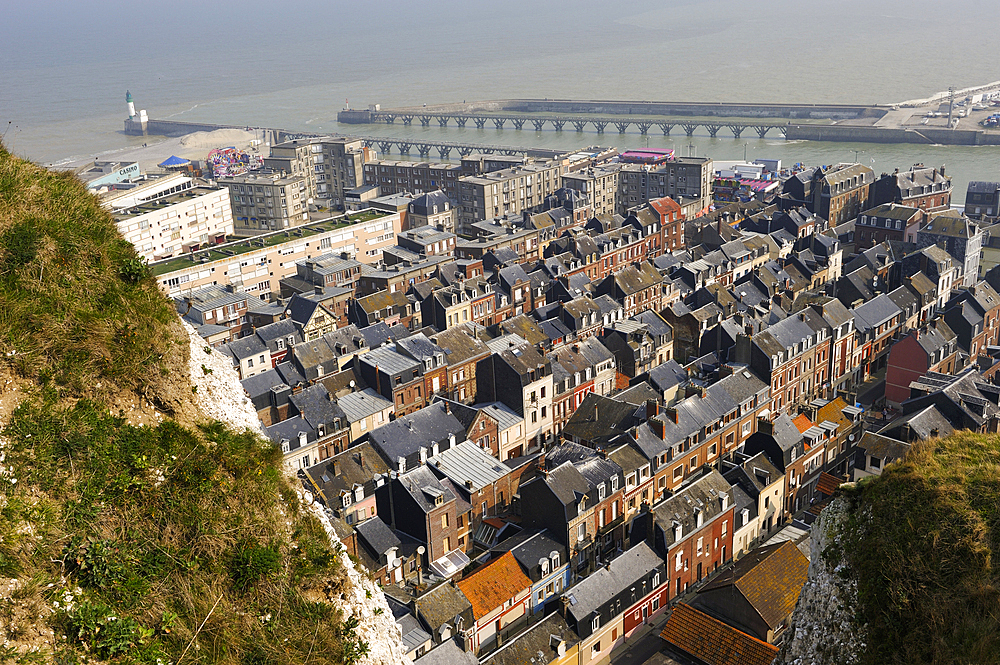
[(131, 106)]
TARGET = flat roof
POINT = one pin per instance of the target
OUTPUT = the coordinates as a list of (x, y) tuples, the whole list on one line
[(161, 203), (234, 249)]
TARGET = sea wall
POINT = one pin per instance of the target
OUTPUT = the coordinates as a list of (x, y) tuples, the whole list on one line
[(925, 135)]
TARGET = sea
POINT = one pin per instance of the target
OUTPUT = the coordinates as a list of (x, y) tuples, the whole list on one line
[(65, 66)]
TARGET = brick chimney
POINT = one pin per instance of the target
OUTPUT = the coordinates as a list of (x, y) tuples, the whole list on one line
[(652, 408), (671, 413), (657, 426)]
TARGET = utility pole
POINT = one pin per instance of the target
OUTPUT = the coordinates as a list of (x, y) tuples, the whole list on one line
[(951, 102)]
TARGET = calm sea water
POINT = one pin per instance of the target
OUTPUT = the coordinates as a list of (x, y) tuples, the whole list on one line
[(65, 66)]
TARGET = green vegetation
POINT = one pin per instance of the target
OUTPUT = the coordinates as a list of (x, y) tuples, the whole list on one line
[(74, 304), (230, 250), (922, 542), (120, 543)]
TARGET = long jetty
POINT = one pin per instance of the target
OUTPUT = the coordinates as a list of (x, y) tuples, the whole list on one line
[(843, 122), (557, 122), (600, 114), (384, 143)]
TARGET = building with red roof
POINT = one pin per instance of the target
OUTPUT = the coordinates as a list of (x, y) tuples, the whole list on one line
[(500, 594)]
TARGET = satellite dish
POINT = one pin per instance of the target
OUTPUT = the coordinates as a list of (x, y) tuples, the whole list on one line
[(421, 550), (850, 437), (395, 562), (352, 384)]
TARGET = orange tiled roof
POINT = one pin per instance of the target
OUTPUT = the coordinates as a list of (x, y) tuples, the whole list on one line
[(827, 484), (713, 642), (802, 422), (494, 584), (772, 587), (834, 412), (665, 205)]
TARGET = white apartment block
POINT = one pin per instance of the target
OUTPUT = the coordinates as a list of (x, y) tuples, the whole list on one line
[(169, 216), (257, 265)]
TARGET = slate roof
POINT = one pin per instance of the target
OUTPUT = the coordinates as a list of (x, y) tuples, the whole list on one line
[(607, 582), (466, 461), (405, 435), (459, 345), (494, 584), (359, 466), (392, 362), (448, 653), (713, 642), (244, 347), (668, 375), (261, 384), (413, 634), (537, 646), (382, 300), (278, 330), (769, 577), (600, 418), (633, 279), (638, 394), (441, 605), (883, 447), (377, 334), (317, 406), (530, 547), (875, 312), (785, 433), (423, 486), (359, 405), (377, 535), (702, 494), (921, 424), (505, 416)]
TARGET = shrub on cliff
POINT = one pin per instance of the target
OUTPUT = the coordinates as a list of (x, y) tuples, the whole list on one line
[(923, 541)]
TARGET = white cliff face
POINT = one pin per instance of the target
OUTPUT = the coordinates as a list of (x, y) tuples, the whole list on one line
[(220, 395), (219, 392), (365, 600), (821, 630)]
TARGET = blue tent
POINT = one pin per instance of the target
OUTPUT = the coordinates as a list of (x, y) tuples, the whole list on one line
[(174, 161)]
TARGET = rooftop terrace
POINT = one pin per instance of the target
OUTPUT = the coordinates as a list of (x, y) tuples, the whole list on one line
[(232, 249)]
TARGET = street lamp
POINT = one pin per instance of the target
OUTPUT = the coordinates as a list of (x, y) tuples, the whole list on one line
[(856, 153), (745, 152)]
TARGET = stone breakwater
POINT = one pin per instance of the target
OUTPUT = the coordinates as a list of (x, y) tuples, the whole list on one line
[(822, 631), (220, 395)]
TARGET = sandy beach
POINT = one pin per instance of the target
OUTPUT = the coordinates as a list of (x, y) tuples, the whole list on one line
[(192, 146)]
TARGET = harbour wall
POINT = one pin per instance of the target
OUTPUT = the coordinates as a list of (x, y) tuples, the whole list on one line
[(925, 135), (635, 108)]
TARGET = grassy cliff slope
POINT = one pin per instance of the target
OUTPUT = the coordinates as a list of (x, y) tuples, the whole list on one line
[(923, 543), (178, 542)]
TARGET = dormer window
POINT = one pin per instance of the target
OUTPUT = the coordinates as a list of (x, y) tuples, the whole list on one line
[(600, 492), (614, 483), (554, 558)]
